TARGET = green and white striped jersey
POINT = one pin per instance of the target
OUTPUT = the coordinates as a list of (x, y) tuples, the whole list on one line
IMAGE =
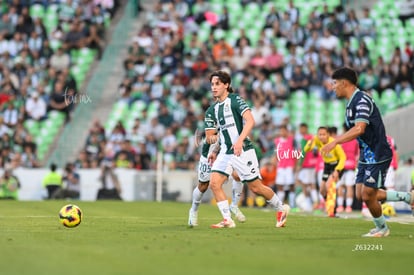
[(227, 118)]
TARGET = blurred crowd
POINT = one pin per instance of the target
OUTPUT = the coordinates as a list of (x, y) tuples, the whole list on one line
[(35, 65), (169, 61)]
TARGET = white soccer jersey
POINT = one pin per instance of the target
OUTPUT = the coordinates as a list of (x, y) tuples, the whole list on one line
[(228, 116)]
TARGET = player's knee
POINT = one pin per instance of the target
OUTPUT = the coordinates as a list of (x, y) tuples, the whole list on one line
[(203, 187), (256, 187), (368, 196)]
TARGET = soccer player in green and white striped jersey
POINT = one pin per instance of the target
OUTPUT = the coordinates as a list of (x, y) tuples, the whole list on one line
[(234, 120)]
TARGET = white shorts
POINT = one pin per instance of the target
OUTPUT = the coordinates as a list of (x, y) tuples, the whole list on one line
[(390, 179), (246, 165), (285, 176), (204, 170), (347, 179), (307, 175)]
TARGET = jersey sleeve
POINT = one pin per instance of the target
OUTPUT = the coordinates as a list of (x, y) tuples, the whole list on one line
[(310, 144), (209, 119), (363, 109), (240, 105)]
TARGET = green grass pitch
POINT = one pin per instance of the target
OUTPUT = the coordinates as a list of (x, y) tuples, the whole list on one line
[(153, 238)]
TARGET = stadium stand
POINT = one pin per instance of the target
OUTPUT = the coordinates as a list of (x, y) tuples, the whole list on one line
[(182, 41), (46, 49)]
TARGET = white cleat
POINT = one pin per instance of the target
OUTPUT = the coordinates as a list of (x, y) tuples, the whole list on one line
[(377, 233), (192, 218), (238, 214), (282, 216), (224, 224)]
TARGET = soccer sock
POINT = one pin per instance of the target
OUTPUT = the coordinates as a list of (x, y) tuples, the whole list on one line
[(281, 195), (197, 196), (276, 203), (224, 209), (380, 222), (349, 202), (314, 195), (237, 190), (292, 197), (398, 196), (340, 201)]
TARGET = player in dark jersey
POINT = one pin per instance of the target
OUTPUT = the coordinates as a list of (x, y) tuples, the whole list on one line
[(364, 123)]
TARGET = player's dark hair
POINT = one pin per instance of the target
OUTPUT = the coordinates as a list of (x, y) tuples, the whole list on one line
[(224, 78), (303, 124), (332, 130), (53, 167), (346, 73), (323, 128)]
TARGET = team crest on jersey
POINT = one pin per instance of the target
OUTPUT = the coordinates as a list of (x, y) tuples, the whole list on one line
[(226, 108)]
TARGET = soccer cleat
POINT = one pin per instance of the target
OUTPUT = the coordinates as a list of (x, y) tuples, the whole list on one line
[(238, 214), (348, 209), (282, 216), (224, 224), (340, 209), (192, 218), (378, 233)]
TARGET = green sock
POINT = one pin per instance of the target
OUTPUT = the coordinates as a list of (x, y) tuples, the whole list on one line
[(398, 196), (380, 222)]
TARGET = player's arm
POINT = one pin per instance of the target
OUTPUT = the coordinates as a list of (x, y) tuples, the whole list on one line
[(248, 125), (211, 136), (247, 128), (210, 126), (310, 144), (353, 133)]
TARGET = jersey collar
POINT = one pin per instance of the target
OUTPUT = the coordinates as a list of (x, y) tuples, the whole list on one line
[(352, 96)]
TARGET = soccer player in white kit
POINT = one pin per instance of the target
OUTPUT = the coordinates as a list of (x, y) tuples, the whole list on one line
[(233, 117)]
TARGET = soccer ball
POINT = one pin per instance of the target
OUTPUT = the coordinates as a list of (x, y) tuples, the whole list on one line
[(260, 201), (388, 210), (70, 215)]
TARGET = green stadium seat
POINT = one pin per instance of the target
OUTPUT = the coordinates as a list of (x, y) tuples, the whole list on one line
[(50, 20), (389, 100), (219, 33), (55, 44), (86, 54), (406, 97), (32, 126), (216, 7), (375, 96), (37, 11)]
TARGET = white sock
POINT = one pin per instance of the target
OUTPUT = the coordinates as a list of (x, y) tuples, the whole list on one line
[(197, 196), (224, 209), (314, 195), (276, 203), (349, 202), (292, 197), (340, 201), (281, 195), (237, 189)]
